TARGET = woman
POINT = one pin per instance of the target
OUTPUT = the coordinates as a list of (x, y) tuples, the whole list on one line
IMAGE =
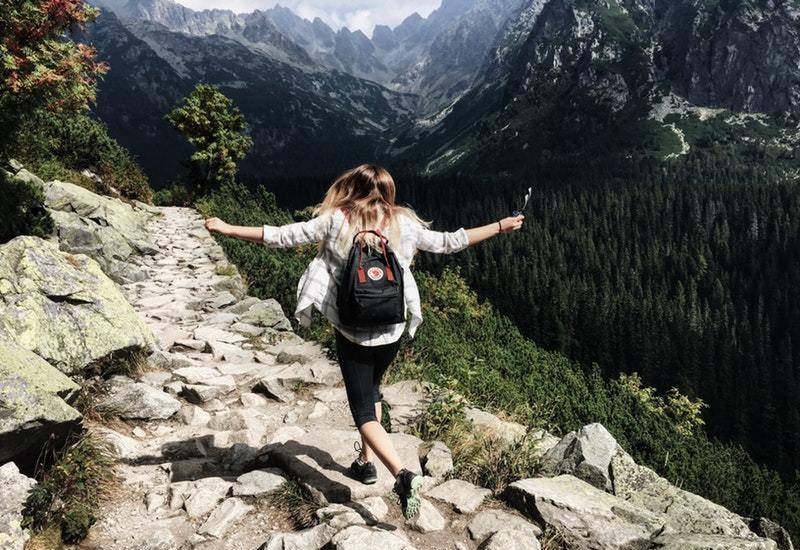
[(364, 198)]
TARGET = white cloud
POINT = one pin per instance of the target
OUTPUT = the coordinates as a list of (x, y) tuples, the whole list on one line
[(354, 14)]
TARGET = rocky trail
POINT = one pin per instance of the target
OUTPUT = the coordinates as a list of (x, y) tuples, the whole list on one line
[(230, 409), (231, 405)]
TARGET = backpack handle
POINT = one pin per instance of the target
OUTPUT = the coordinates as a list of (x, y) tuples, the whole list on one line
[(362, 278)]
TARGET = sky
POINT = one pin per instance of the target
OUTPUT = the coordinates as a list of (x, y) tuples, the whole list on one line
[(353, 14)]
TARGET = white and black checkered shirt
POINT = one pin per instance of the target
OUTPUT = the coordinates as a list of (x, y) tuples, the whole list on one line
[(318, 285)]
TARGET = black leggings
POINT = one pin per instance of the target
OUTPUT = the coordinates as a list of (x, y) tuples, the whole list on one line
[(362, 369)]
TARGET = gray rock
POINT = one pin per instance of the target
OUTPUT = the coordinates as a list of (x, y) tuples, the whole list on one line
[(155, 379), (63, 307), (205, 495), (213, 334), (223, 299), (508, 539), (195, 375), (407, 400), (129, 399), (683, 512), (274, 388), (437, 461), (586, 454), (492, 426), (710, 542), (223, 517), (230, 352), (340, 516), (258, 482), (107, 229), (192, 415), (374, 509), (488, 522), (586, 516), (767, 528), (267, 313), (14, 487), (358, 537), (462, 495), (32, 398), (428, 520)]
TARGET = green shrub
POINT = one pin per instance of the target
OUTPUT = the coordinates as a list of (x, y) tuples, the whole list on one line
[(175, 194), (22, 211), (61, 146)]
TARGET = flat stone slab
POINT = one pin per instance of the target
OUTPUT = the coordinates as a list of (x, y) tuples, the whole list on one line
[(488, 522), (319, 460), (462, 495), (258, 482), (223, 517), (586, 516)]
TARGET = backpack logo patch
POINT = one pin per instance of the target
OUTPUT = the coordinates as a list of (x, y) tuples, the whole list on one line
[(375, 273)]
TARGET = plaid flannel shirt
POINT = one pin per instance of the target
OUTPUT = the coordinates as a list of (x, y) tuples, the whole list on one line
[(318, 285)]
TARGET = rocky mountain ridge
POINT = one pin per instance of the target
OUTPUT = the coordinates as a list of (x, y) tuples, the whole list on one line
[(232, 406), (573, 77)]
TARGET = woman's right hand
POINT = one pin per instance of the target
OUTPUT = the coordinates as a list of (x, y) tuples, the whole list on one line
[(216, 224), (511, 223)]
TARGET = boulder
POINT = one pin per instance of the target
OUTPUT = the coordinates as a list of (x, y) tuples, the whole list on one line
[(266, 313), (106, 229), (488, 522), (14, 487), (586, 454), (131, 400), (437, 460), (586, 516), (682, 511), (407, 401), (33, 404), (319, 458), (429, 519), (63, 307), (358, 537), (767, 528), (492, 426), (462, 495)]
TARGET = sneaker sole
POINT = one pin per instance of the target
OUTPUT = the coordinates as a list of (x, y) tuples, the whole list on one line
[(369, 481), (412, 499)]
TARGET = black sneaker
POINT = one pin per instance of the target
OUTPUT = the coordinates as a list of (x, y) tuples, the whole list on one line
[(407, 489), (365, 472)]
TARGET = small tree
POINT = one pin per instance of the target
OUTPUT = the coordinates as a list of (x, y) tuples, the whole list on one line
[(40, 68), (217, 129)]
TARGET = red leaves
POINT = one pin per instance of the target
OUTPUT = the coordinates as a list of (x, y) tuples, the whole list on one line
[(37, 63)]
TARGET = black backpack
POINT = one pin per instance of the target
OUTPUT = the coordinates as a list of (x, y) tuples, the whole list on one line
[(370, 289)]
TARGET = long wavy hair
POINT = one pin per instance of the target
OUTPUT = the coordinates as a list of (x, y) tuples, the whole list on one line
[(366, 196)]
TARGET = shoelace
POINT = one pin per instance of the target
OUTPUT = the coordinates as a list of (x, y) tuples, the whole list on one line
[(357, 447)]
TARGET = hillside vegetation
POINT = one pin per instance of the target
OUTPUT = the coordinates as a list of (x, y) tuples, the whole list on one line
[(466, 344)]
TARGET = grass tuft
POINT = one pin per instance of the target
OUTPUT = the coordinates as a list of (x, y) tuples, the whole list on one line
[(72, 481), (296, 503)]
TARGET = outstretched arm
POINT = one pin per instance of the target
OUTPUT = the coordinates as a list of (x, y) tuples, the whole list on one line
[(506, 225), (255, 234), (284, 236)]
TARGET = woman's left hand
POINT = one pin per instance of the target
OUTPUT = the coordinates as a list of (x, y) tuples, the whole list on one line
[(216, 224)]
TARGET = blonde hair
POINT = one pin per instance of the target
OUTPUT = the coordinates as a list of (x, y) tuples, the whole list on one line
[(366, 196)]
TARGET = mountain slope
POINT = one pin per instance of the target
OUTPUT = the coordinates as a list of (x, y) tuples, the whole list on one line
[(571, 77), (291, 111)]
